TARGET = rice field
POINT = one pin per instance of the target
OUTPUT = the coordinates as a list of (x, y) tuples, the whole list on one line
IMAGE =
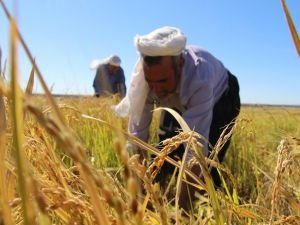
[(79, 172), (63, 160)]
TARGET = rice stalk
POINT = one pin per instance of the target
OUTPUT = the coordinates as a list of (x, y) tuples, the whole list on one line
[(197, 153), (224, 137), (17, 115), (50, 176), (197, 150), (30, 83), (2, 116), (2, 105), (145, 146), (185, 128), (2, 71), (283, 152), (180, 177), (152, 189), (142, 145), (3, 169), (101, 217), (212, 161), (5, 212), (284, 190), (133, 185), (36, 69), (77, 153), (100, 214), (292, 27), (292, 220)]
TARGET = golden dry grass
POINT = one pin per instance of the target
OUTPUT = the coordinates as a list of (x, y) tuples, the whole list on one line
[(59, 190), (64, 161)]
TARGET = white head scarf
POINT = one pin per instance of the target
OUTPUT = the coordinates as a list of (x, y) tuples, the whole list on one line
[(165, 41), (161, 42), (113, 60), (133, 103)]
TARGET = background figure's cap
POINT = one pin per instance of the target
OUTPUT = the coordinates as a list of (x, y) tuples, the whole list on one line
[(114, 60), (161, 42)]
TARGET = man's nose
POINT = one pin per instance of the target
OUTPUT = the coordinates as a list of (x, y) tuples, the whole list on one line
[(155, 88)]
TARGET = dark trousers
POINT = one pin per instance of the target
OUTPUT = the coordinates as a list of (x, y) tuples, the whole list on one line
[(225, 110)]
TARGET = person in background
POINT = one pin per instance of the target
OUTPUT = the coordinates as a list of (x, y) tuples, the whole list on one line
[(189, 80), (109, 78)]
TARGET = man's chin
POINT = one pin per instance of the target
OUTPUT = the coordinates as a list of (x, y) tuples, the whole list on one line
[(162, 95)]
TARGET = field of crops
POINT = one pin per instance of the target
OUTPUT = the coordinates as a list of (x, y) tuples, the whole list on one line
[(63, 160), (70, 166)]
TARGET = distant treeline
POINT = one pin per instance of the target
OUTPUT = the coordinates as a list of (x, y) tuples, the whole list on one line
[(243, 104), (269, 105)]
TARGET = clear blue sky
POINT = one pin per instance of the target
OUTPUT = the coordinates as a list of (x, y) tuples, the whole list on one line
[(251, 38)]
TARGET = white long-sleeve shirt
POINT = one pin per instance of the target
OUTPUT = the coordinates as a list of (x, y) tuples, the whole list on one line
[(203, 80)]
